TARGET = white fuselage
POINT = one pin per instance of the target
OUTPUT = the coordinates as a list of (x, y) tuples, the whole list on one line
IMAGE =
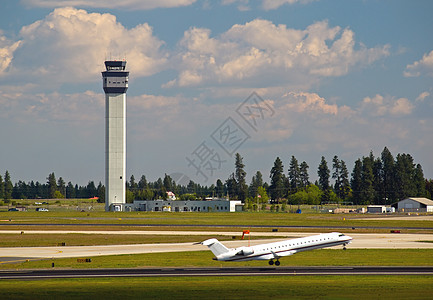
[(284, 248)]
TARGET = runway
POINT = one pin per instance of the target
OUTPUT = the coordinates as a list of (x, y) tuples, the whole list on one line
[(205, 272), (360, 241)]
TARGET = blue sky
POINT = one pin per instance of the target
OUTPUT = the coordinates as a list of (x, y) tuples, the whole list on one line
[(331, 78)]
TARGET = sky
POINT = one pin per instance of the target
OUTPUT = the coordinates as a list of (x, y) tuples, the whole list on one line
[(208, 79)]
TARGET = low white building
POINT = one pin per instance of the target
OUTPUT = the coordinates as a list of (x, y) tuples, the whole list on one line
[(215, 205), (414, 204), (376, 209)]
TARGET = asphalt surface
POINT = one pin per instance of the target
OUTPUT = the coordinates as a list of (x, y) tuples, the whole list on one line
[(202, 272)]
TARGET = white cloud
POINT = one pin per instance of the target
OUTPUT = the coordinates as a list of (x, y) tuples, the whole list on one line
[(70, 45), (424, 65), (274, 4), (7, 49), (381, 106), (422, 96), (123, 4), (267, 54)]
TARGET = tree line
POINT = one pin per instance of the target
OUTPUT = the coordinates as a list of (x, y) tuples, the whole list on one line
[(373, 180)]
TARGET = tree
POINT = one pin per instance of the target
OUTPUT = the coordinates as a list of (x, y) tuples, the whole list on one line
[(219, 188), (262, 195), (344, 181), (256, 182), (303, 173), (8, 187), (379, 196), (356, 181), (61, 186), (142, 184), (52, 185), (100, 191), (2, 188), (294, 175), (367, 179), (132, 184), (169, 183), (388, 176), (418, 179), (324, 173), (231, 186), (70, 191), (336, 174), (404, 170), (240, 174), (276, 188)]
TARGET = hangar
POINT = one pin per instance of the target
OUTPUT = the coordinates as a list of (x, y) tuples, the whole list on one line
[(415, 205)]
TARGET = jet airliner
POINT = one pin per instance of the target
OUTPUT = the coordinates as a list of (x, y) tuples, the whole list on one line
[(274, 251)]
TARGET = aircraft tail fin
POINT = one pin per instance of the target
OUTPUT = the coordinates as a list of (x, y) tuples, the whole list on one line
[(215, 246)]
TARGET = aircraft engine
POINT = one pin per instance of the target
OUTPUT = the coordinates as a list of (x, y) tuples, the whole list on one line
[(244, 251)]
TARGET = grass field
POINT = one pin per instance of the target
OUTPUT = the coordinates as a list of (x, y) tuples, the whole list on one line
[(292, 287), (236, 219)]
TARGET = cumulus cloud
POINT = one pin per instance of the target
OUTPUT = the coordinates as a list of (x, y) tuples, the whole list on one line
[(70, 45), (262, 52), (422, 66), (77, 109), (7, 49), (381, 106), (122, 4)]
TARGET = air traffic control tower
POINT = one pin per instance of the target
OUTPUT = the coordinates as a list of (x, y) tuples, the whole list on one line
[(115, 83)]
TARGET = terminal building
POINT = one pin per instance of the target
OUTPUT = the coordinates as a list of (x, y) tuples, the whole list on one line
[(214, 205)]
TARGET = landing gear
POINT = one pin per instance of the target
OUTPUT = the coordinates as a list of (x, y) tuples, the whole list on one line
[(344, 247), (277, 262)]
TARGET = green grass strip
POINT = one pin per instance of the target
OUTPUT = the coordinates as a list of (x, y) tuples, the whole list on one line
[(243, 287)]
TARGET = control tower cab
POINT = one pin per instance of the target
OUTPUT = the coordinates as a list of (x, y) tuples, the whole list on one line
[(115, 78)]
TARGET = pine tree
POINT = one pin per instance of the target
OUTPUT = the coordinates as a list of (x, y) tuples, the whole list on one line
[(8, 187), (324, 173), (367, 179), (61, 186), (356, 182), (388, 176), (256, 182), (336, 174), (2, 188), (240, 174), (419, 181), (344, 181), (294, 175), (404, 170), (276, 188), (219, 189), (52, 185), (142, 184), (379, 196), (303, 173)]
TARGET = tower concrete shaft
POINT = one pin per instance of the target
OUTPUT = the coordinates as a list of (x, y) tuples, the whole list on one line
[(115, 83)]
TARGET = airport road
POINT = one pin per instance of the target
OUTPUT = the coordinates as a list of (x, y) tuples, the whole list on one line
[(360, 241), (176, 272)]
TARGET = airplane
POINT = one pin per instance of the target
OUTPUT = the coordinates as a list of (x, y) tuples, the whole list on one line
[(274, 251)]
